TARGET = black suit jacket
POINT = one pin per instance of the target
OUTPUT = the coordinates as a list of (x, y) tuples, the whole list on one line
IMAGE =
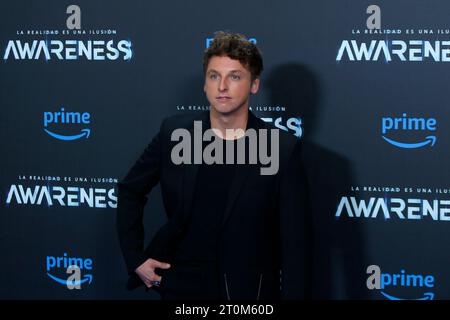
[(264, 229)]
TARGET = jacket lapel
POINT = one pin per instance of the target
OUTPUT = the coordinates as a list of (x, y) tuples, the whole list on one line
[(191, 170), (240, 177)]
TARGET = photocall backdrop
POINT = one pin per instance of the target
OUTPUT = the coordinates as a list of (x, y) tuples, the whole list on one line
[(85, 85)]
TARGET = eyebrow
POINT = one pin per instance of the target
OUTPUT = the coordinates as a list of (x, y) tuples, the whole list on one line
[(232, 71)]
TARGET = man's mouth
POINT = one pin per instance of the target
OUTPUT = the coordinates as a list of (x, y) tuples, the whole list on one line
[(223, 98)]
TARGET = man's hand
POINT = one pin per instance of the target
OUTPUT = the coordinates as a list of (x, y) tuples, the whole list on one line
[(146, 271)]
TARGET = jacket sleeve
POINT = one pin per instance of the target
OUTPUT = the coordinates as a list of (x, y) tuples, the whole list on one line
[(132, 197), (295, 229)]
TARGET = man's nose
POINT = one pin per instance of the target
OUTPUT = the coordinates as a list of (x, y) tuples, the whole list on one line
[(223, 85)]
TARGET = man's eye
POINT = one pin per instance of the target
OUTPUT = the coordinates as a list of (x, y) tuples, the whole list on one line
[(235, 77), (213, 76)]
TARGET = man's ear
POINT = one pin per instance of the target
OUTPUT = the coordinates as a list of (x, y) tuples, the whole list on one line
[(255, 86)]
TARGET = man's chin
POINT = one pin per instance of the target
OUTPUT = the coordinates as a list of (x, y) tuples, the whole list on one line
[(225, 111)]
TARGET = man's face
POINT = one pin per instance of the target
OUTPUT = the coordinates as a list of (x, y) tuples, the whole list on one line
[(228, 85)]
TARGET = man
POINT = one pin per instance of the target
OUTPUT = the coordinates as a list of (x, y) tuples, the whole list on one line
[(232, 232)]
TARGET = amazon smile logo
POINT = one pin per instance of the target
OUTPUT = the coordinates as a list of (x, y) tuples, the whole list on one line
[(411, 127), (63, 118), (382, 281), (72, 267)]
